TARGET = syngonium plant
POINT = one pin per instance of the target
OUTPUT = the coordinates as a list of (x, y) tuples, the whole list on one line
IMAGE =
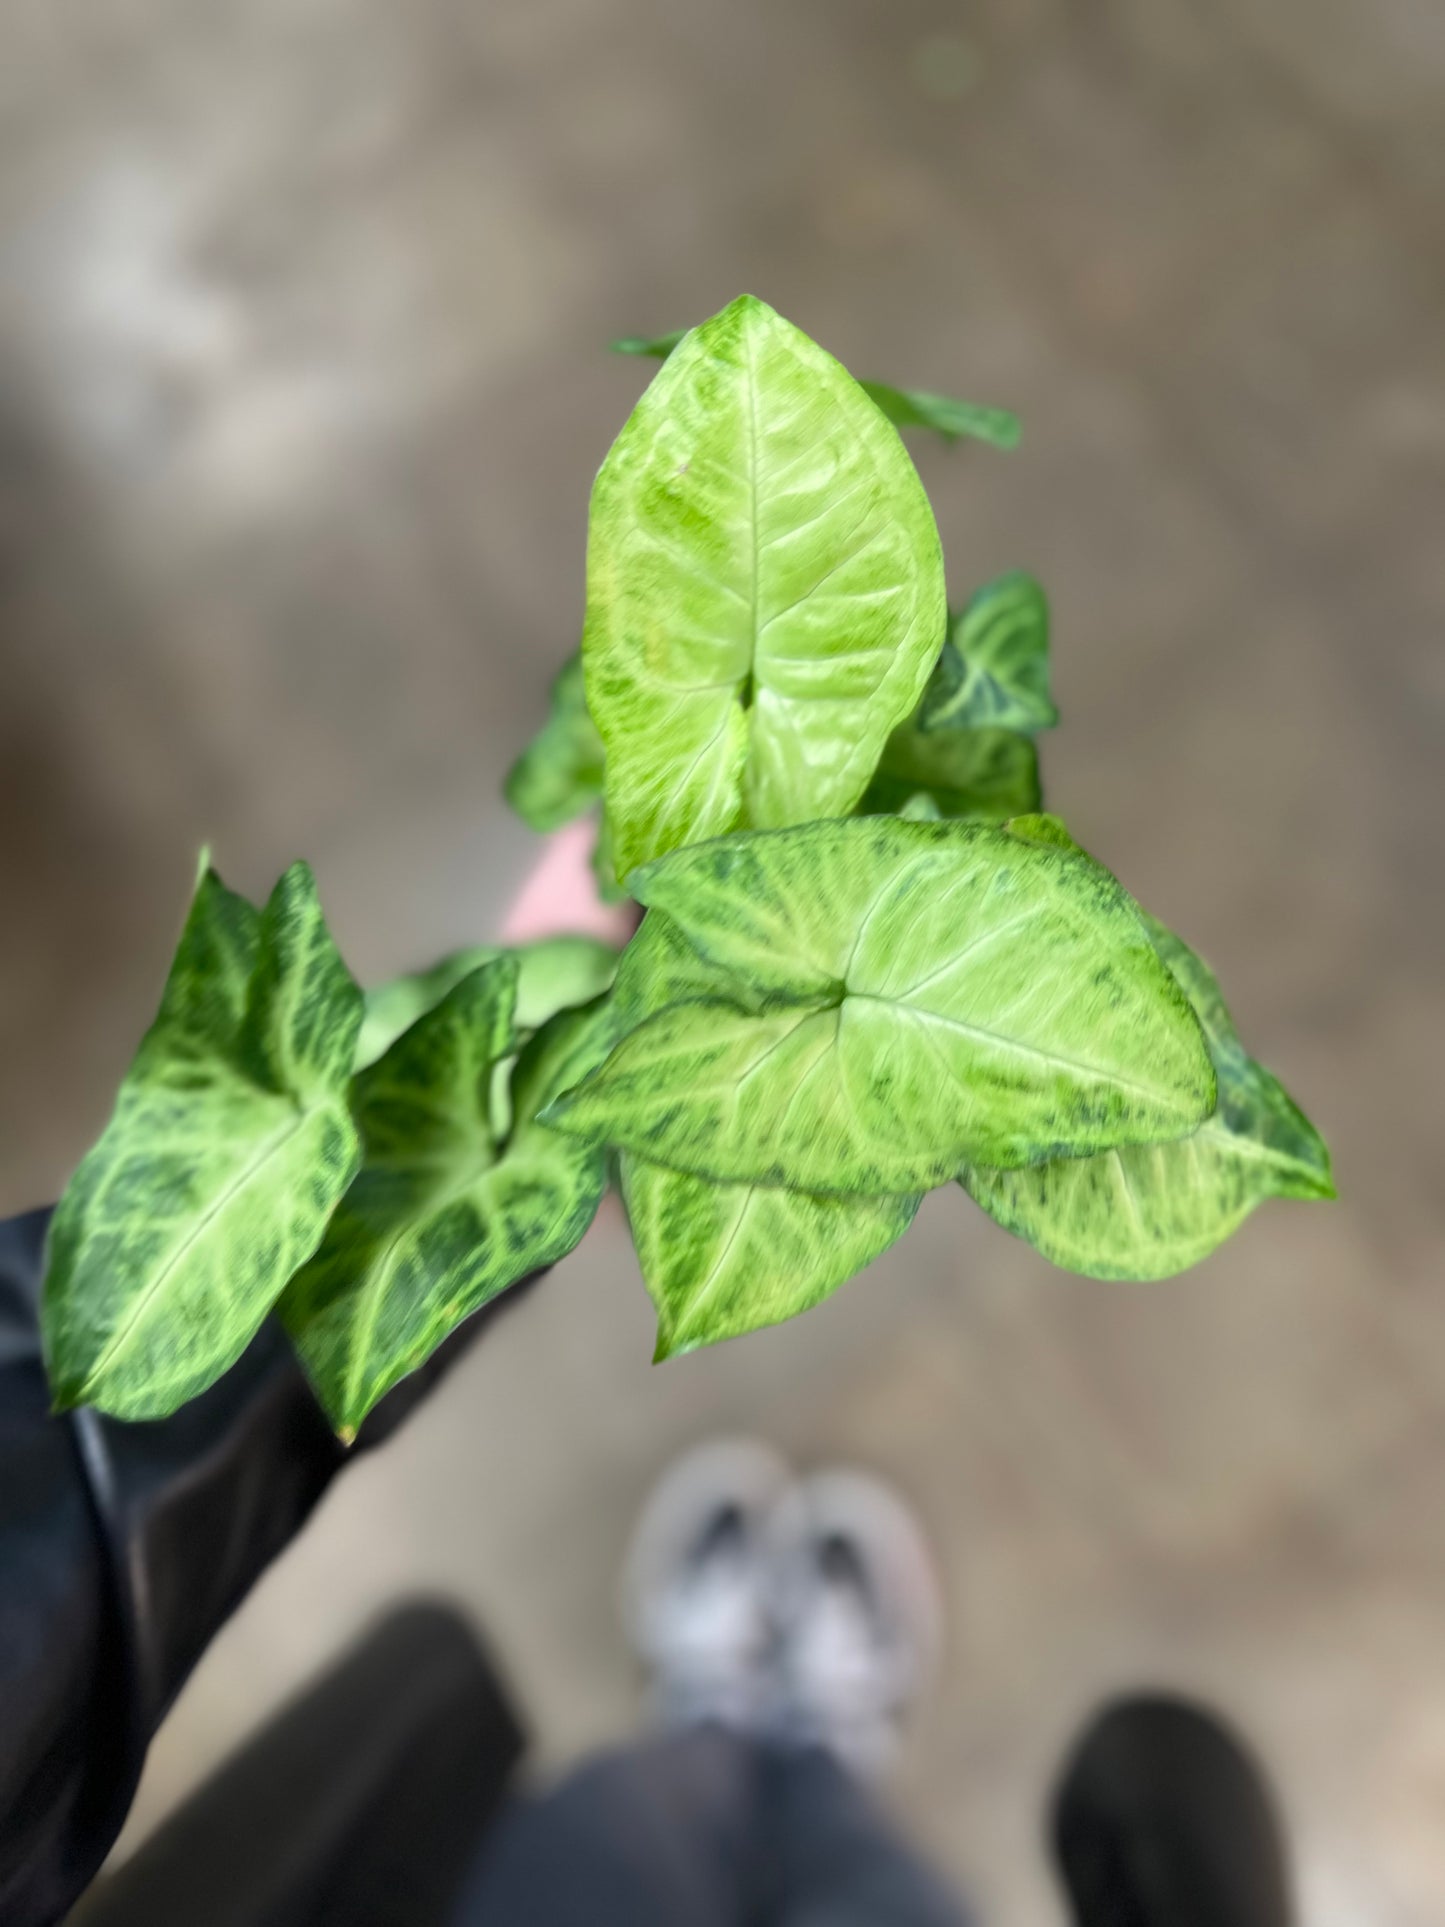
[(868, 965)]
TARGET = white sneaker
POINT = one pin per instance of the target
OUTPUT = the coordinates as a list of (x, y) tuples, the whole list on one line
[(696, 1590), (857, 1610)]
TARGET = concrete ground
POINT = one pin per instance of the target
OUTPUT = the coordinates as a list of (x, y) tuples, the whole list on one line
[(302, 311)]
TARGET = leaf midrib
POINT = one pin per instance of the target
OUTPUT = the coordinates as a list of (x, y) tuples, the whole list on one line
[(687, 1323), (1004, 1042), (372, 1293), (123, 1332)]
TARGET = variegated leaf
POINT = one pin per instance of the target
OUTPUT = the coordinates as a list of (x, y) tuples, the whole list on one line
[(230, 1145), (1148, 1211), (765, 590), (986, 775), (901, 991), (994, 669), (440, 1219), (720, 1260)]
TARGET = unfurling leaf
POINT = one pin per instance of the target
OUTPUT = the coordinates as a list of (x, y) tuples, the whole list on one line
[(904, 407), (986, 775), (944, 415), (765, 590), (903, 993), (228, 1149), (1148, 1211), (553, 974), (440, 1219), (724, 1259), (559, 774), (994, 669)]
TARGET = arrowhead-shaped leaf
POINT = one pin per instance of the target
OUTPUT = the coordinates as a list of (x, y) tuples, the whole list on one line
[(988, 775), (720, 1260), (994, 669), (765, 590), (559, 774), (440, 1220), (904, 407), (904, 991), (1148, 1211), (724, 1259), (230, 1145)]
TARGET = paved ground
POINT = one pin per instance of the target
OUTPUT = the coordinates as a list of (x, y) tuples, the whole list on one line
[(301, 387)]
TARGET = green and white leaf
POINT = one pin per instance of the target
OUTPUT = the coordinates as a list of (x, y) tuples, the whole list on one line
[(904, 407), (944, 415), (986, 775), (994, 669), (553, 974), (765, 590), (441, 1219), (902, 994), (720, 1260), (230, 1145), (1148, 1211), (559, 774)]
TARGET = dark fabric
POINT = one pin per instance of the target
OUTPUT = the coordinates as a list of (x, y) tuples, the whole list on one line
[(360, 1806), (1162, 1819), (123, 1548), (703, 1829)]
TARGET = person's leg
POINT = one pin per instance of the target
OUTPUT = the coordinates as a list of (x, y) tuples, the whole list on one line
[(662, 1831), (704, 1829), (659, 1834), (784, 1631), (359, 1805), (1162, 1819), (834, 1858)]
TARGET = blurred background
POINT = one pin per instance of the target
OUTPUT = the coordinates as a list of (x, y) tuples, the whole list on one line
[(303, 313)]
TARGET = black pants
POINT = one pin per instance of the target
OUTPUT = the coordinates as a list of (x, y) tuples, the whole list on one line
[(702, 1829), (382, 1798)]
